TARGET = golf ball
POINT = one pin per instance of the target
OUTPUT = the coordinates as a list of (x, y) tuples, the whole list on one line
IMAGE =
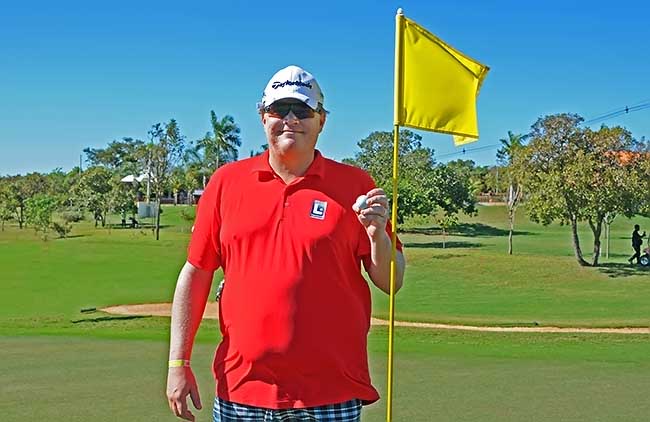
[(361, 202)]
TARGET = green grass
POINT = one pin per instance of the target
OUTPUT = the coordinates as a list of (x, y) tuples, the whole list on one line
[(439, 375), (63, 365), (473, 280)]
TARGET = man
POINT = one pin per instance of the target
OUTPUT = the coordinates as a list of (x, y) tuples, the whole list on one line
[(295, 310), (637, 242)]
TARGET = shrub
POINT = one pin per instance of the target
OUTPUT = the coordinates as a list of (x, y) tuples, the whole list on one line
[(188, 214), (72, 216), (62, 229)]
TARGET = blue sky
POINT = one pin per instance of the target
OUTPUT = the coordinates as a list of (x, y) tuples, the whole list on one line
[(80, 74)]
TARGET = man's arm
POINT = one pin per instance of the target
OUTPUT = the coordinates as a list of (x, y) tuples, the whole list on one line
[(190, 298), (374, 218), (379, 268)]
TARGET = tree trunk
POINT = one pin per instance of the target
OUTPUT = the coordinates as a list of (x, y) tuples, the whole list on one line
[(3, 225), (175, 198), (576, 242), (597, 229), (513, 200), (158, 220), (511, 216), (20, 218)]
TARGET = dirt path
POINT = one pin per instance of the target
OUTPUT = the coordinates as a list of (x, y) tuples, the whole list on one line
[(212, 310)]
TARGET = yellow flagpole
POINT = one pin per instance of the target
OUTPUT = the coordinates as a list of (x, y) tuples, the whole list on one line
[(397, 118)]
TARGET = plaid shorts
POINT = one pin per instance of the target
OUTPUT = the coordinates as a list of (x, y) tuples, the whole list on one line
[(226, 411)]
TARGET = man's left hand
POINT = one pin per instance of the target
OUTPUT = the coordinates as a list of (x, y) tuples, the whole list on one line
[(375, 216)]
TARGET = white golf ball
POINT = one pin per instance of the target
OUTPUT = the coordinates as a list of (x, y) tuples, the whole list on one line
[(361, 202)]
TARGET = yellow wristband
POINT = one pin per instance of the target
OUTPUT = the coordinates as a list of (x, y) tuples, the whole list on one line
[(176, 363)]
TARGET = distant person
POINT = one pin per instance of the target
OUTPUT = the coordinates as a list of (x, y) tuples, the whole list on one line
[(637, 242), (134, 222), (295, 312)]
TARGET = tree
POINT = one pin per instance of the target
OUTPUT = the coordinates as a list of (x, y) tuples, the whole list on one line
[(505, 155), (447, 222), (122, 196), (40, 208), (199, 161), (476, 175), (194, 179), (225, 139), (215, 148), (643, 166), (574, 174), (7, 206), (165, 152), (450, 190), (416, 163), (423, 186), (123, 156), (20, 189), (177, 181), (93, 193)]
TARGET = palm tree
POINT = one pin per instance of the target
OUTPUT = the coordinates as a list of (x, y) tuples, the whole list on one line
[(509, 147), (215, 148), (200, 157), (505, 155), (225, 139)]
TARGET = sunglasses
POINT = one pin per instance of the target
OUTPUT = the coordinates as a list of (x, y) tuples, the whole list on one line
[(300, 110)]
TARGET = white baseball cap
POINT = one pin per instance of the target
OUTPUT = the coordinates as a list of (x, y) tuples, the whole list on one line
[(293, 82)]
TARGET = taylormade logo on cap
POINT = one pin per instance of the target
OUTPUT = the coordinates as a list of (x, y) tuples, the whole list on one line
[(293, 82), (276, 85)]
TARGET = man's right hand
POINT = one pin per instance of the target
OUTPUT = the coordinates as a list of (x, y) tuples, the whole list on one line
[(180, 384)]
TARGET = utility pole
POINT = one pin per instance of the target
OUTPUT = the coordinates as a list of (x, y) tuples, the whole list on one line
[(148, 176)]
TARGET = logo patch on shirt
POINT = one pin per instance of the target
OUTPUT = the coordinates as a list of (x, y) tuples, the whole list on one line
[(318, 209)]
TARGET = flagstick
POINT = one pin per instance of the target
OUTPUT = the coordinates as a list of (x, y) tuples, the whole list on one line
[(397, 118)]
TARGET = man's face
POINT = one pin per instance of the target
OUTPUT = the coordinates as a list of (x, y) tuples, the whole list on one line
[(294, 134)]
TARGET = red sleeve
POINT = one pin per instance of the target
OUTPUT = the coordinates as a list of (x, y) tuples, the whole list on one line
[(203, 251)]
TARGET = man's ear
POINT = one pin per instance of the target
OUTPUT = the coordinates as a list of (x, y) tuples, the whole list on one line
[(323, 117)]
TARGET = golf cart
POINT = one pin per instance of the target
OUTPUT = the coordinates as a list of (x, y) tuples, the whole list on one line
[(645, 258)]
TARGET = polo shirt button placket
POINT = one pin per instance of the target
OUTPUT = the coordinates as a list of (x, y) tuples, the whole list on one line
[(285, 202)]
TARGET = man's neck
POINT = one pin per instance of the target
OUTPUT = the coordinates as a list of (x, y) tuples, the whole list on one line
[(290, 168)]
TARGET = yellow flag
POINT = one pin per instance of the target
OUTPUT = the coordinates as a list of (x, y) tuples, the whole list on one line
[(439, 85), (462, 140)]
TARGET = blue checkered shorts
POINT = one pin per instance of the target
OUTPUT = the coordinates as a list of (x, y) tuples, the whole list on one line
[(226, 411)]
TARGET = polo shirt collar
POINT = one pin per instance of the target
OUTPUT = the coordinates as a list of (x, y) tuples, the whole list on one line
[(317, 167)]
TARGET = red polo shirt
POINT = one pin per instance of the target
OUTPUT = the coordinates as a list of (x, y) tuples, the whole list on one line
[(295, 310)]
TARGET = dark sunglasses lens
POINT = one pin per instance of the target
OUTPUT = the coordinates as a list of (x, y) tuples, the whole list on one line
[(300, 110)]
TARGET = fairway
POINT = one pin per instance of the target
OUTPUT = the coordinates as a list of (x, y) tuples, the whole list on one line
[(64, 365), (440, 376)]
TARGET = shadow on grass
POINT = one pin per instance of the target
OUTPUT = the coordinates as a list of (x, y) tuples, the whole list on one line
[(140, 226), (74, 236), (110, 318), (448, 256), (468, 230), (615, 270), (448, 245), (617, 255)]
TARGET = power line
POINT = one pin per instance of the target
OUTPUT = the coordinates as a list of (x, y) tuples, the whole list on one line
[(465, 150), (619, 112), (642, 105)]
